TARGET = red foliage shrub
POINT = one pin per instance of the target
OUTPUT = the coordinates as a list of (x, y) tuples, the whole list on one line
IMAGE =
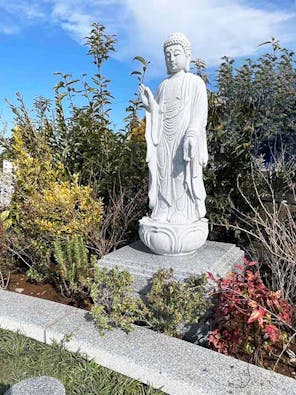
[(248, 316)]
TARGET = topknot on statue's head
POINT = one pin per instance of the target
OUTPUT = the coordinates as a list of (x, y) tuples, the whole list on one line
[(178, 38)]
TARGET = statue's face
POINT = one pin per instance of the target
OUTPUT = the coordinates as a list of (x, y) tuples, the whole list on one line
[(175, 58)]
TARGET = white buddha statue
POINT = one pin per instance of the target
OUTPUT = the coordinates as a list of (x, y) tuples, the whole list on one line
[(176, 121)]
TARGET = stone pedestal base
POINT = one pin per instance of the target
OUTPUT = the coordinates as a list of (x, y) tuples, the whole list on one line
[(173, 239), (136, 258)]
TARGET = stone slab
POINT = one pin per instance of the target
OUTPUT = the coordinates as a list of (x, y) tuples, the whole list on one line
[(214, 257), (41, 385), (177, 366), (29, 315)]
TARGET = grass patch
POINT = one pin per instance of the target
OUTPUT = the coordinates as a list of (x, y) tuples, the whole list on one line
[(22, 357)]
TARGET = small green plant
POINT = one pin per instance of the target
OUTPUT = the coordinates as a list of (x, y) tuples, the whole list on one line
[(34, 276), (114, 303), (74, 267), (174, 304)]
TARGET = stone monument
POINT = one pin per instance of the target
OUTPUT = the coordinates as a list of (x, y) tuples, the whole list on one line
[(176, 121)]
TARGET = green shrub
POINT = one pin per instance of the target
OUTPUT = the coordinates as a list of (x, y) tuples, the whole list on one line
[(115, 305), (168, 307), (174, 304), (251, 116), (74, 267)]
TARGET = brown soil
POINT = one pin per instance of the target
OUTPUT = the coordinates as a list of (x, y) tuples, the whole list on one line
[(20, 283), (268, 359)]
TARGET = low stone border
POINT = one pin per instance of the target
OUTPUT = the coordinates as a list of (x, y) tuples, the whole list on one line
[(179, 367)]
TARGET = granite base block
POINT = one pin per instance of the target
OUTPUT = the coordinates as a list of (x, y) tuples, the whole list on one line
[(137, 259)]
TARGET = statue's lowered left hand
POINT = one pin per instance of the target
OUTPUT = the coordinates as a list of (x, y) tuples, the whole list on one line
[(190, 148)]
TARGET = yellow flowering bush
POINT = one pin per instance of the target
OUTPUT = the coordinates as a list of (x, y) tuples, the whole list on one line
[(65, 208), (33, 170), (47, 204)]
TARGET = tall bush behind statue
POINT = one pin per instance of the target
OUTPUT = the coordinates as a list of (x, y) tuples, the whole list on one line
[(85, 141), (111, 162), (251, 118)]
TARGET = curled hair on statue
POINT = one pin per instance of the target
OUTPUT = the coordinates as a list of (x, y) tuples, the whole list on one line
[(178, 38)]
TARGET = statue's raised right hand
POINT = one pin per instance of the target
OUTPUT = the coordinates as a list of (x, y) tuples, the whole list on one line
[(147, 97)]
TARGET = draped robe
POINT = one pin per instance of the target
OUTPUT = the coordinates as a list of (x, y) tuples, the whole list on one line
[(176, 188)]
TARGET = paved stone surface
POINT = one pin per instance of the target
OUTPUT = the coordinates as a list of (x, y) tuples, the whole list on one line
[(29, 315), (177, 366), (42, 385), (162, 361), (218, 258)]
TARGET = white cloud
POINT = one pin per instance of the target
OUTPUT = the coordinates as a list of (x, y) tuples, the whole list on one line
[(215, 27), (72, 18), (76, 16), (24, 9)]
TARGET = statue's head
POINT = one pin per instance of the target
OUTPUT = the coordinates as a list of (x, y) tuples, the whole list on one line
[(177, 52)]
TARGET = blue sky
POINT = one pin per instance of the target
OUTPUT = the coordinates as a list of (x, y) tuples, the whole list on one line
[(40, 37)]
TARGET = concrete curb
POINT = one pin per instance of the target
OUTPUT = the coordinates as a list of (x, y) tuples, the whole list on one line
[(179, 367)]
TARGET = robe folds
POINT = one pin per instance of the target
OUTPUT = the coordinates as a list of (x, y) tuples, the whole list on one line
[(176, 188)]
